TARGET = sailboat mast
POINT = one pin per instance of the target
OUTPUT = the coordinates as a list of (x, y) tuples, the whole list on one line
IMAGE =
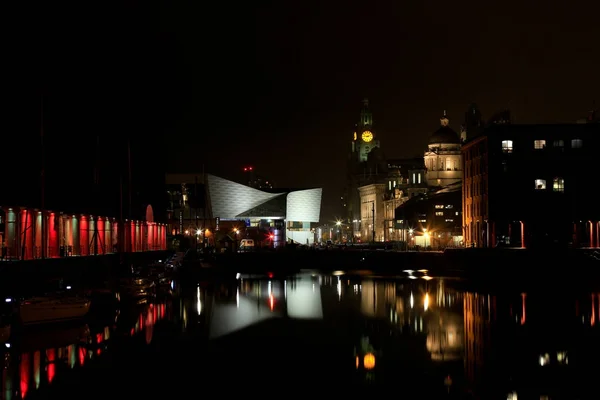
[(43, 179), (129, 174)]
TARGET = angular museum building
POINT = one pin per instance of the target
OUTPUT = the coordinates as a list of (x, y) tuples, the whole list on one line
[(285, 213)]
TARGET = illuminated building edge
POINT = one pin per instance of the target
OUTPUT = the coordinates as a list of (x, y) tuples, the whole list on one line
[(234, 201)]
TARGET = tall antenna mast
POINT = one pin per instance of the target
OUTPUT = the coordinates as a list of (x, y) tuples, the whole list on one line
[(129, 173), (43, 178)]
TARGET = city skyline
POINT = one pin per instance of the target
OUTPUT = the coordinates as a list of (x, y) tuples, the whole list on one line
[(274, 83)]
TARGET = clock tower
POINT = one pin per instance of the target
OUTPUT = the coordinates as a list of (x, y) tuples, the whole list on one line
[(363, 139)]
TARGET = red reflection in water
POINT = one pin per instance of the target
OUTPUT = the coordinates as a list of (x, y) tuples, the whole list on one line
[(81, 356), (593, 319), (272, 301), (51, 355), (147, 319), (523, 316), (24, 372)]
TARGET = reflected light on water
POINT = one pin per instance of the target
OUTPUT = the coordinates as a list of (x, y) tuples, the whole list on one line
[(304, 300), (369, 361), (40, 354), (426, 302), (523, 316), (198, 302), (412, 300)]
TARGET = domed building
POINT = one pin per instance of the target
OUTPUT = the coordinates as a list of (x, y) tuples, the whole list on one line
[(443, 158)]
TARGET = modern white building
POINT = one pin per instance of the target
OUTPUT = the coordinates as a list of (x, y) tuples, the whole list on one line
[(287, 213)]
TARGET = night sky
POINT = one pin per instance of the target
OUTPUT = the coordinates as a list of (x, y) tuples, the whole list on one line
[(279, 85)]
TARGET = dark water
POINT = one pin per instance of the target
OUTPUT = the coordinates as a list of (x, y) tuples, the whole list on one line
[(425, 338)]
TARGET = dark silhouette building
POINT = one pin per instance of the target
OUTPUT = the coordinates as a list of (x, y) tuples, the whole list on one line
[(433, 219), (531, 185)]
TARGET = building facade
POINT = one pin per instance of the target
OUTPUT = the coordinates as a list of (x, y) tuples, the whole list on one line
[(372, 214), (531, 185), (281, 214), (432, 220), (443, 156)]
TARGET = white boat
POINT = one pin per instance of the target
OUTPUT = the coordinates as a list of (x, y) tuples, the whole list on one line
[(39, 310)]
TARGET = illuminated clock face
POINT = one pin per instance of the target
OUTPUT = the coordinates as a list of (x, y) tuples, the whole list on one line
[(367, 136), (354, 135)]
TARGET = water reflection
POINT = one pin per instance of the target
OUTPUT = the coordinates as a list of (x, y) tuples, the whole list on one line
[(33, 358), (426, 333)]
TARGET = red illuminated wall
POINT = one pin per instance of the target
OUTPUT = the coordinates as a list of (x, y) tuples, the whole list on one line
[(72, 235)]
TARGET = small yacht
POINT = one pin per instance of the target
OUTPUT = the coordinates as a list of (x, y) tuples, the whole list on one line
[(137, 287), (53, 308)]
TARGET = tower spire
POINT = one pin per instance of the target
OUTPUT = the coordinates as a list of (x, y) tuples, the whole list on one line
[(366, 117), (444, 120)]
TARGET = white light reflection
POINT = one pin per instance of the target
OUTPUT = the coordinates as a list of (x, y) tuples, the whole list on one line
[(304, 300), (412, 300), (426, 302), (198, 302), (237, 298), (285, 289), (339, 289)]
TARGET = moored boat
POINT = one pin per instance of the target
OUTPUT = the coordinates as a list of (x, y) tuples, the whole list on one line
[(47, 309), (137, 287)]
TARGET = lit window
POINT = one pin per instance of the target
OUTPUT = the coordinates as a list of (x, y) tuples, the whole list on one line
[(422, 220), (576, 143), (540, 184), (449, 206), (439, 213), (419, 176), (558, 185), (539, 144), (559, 143), (507, 146), (438, 206), (414, 177), (456, 213), (449, 220)]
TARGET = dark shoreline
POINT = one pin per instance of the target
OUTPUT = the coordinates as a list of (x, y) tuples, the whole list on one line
[(19, 276), (487, 266)]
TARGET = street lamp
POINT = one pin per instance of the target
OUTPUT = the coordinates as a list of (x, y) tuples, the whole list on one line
[(340, 237)]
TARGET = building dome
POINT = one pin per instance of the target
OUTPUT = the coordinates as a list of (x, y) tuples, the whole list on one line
[(444, 135)]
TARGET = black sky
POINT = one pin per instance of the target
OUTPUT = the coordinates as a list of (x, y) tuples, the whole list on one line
[(278, 84)]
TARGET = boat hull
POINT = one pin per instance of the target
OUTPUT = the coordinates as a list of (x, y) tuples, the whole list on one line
[(49, 312)]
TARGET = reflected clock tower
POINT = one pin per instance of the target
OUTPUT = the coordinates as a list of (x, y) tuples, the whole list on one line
[(363, 139)]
